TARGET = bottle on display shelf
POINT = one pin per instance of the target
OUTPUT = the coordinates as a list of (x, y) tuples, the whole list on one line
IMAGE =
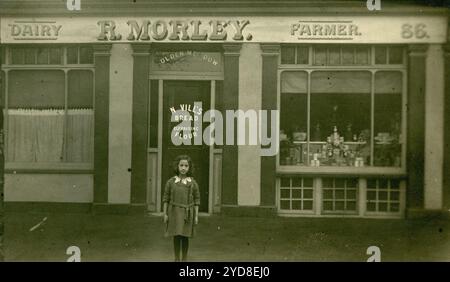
[(348, 133), (317, 133)]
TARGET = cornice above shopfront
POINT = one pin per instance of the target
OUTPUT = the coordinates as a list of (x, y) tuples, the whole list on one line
[(270, 49), (417, 50), (141, 49), (102, 49), (208, 7), (232, 49)]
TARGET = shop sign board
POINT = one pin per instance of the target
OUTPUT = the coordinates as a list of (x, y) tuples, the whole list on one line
[(340, 29)]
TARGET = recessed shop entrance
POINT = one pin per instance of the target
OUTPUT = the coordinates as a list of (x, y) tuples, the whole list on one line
[(181, 77), (181, 95), (166, 96)]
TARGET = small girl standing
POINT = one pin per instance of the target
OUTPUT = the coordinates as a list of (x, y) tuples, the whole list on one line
[(181, 201)]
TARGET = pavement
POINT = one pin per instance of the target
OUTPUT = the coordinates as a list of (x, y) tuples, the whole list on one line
[(47, 236)]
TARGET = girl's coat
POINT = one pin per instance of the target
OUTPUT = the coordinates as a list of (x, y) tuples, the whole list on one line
[(181, 195)]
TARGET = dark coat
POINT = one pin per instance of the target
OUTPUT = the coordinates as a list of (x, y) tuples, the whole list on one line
[(181, 199)]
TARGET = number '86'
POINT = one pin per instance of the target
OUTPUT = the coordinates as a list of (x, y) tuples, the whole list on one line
[(417, 31)]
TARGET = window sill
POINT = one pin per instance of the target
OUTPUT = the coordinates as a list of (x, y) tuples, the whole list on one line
[(332, 170), (81, 168)]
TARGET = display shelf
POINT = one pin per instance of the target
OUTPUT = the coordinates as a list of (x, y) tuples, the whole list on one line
[(343, 170)]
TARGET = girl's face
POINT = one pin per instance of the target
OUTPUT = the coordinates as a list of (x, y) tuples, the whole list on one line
[(183, 167)]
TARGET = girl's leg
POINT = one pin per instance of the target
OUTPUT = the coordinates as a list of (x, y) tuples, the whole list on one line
[(184, 247), (177, 247)]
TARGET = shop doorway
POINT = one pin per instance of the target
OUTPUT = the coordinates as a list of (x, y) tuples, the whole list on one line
[(177, 93)]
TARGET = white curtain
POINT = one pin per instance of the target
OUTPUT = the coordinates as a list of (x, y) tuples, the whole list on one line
[(35, 135), (38, 135), (80, 135)]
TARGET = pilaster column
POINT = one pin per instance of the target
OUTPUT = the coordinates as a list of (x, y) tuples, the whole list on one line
[(102, 64), (270, 53), (230, 102), (141, 70), (416, 125)]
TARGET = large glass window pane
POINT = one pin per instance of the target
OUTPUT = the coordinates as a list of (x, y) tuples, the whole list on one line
[(387, 118), (80, 119), (293, 124), (36, 89), (340, 118), (45, 126), (81, 85), (36, 116)]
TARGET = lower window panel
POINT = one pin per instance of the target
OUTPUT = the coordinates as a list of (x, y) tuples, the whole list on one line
[(341, 196)]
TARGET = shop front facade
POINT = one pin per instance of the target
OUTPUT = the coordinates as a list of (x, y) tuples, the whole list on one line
[(362, 105)]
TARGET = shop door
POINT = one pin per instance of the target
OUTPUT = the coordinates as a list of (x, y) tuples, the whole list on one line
[(177, 93)]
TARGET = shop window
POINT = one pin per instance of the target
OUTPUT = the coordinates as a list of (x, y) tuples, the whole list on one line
[(55, 55), (39, 89), (288, 55), (72, 55), (348, 57), (339, 131), (50, 111), (295, 55), (383, 195), (296, 194), (18, 56), (2, 55), (42, 56), (341, 56), (333, 55), (387, 118), (293, 118), (2, 89), (393, 55), (339, 195), (33, 56), (86, 55), (35, 116), (80, 55), (349, 118), (380, 55), (80, 116)]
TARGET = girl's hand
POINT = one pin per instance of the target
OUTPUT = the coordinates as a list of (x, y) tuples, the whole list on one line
[(166, 218), (196, 220)]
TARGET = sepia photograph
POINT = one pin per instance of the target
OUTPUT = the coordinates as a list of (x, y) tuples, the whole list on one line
[(225, 131)]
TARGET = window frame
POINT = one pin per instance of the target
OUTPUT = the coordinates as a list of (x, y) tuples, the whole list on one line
[(6, 66), (373, 69)]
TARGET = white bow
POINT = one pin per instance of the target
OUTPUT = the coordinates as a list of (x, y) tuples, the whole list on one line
[(184, 180)]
